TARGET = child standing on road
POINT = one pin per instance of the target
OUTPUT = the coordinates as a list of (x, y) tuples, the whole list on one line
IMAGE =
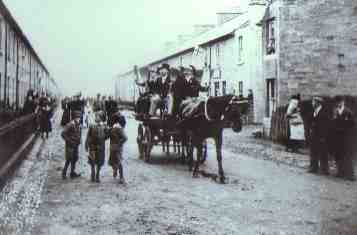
[(95, 144), (117, 140), (72, 137)]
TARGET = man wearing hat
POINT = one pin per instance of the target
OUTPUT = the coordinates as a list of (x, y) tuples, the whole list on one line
[(98, 104), (160, 88), (319, 129), (72, 137), (190, 90), (343, 123)]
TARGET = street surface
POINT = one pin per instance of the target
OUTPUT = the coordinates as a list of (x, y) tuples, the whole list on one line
[(261, 197)]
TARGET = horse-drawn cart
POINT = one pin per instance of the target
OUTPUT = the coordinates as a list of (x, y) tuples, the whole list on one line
[(154, 131)]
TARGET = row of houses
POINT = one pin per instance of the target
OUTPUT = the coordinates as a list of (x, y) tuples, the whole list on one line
[(273, 48), (21, 68)]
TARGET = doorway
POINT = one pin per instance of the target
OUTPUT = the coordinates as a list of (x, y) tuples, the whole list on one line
[(271, 96)]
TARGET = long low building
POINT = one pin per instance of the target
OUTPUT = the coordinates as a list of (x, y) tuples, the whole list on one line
[(230, 55), (21, 68)]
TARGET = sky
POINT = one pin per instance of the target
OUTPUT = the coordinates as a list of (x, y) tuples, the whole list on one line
[(86, 43)]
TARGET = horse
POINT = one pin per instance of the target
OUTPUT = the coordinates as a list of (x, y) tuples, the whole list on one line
[(209, 121)]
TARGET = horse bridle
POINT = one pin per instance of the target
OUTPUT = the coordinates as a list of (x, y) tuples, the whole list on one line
[(234, 100)]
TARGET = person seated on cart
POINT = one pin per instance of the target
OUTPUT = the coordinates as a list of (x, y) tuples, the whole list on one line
[(143, 104), (173, 96), (160, 89), (188, 90)]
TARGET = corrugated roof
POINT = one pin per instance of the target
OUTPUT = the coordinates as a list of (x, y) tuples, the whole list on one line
[(11, 20)]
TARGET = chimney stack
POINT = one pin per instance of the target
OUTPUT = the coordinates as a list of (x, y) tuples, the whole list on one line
[(228, 14)]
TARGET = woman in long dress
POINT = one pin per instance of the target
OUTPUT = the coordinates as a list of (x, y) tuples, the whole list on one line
[(296, 124)]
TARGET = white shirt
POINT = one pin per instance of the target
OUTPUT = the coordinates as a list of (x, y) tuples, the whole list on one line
[(340, 110), (317, 110)]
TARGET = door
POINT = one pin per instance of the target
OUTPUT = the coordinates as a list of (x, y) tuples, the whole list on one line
[(271, 96), (216, 89)]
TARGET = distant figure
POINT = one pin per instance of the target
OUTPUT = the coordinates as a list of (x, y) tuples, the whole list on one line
[(98, 104), (343, 122), (72, 137), (30, 105), (44, 115), (66, 115), (117, 140), (111, 106), (95, 143), (319, 129), (296, 124), (77, 105)]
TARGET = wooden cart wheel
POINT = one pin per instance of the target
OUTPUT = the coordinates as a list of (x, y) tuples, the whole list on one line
[(147, 143), (139, 140)]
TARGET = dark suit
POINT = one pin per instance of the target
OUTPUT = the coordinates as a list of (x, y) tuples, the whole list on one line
[(342, 125), (318, 147), (161, 87)]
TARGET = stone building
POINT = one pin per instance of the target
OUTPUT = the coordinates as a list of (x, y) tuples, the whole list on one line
[(21, 68), (309, 48), (230, 55)]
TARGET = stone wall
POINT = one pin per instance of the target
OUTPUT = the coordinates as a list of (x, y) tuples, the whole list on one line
[(317, 48)]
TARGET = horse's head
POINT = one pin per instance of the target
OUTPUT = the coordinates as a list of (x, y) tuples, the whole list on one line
[(233, 112)]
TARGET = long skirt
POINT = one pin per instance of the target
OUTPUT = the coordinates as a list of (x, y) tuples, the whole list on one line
[(297, 132)]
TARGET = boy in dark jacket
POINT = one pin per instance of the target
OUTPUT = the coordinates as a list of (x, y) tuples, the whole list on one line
[(95, 143), (72, 137), (117, 139)]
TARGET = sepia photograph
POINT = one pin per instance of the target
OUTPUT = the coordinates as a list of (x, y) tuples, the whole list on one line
[(178, 117)]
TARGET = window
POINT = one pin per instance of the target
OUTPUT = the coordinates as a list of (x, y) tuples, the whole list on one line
[(271, 96), (216, 88), (8, 46), (217, 54), (1, 39), (224, 88), (14, 49), (240, 48), (240, 88), (270, 37)]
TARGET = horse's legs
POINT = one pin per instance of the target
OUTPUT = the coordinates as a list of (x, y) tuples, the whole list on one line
[(218, 141), (189, 150), (168, 145), (198, 146)]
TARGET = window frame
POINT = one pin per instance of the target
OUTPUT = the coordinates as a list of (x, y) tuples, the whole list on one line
[(270, 41), (240, 88), (224, 87), (240, 48)]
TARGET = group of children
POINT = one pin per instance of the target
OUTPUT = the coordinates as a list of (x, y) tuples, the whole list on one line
[(97, 135)]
